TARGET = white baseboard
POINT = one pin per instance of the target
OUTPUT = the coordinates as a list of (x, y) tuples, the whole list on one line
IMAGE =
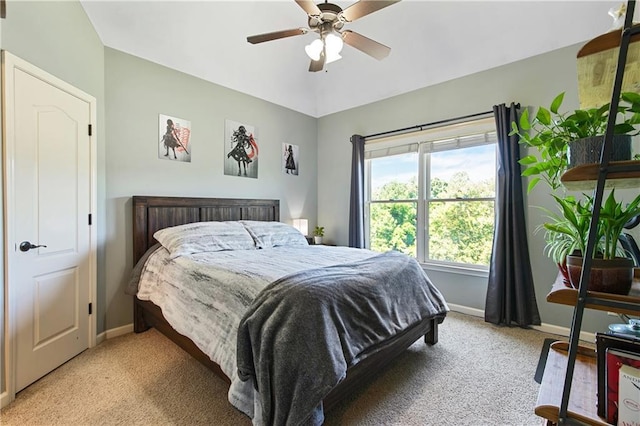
[(5, 399), (564, 331), (466, 310), (545, 328), (114, 332)]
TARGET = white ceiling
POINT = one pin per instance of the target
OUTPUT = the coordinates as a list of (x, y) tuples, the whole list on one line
[(430, 41)]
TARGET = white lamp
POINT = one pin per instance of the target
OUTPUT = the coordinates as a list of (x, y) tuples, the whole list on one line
[(301, 225)]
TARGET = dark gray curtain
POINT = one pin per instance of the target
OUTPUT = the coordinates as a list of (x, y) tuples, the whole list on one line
[(511, 297), (356, 209)]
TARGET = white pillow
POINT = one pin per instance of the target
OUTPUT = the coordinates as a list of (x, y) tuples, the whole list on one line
[(201, 237), (274, 234)]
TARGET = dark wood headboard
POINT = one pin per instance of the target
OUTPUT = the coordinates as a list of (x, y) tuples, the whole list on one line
[(153, 213)]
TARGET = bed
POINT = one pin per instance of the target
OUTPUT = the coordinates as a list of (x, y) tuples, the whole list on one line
[(151, 214)]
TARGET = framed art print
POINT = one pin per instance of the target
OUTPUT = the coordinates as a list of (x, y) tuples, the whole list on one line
[(241, 149), (175, 138), (290, 159)]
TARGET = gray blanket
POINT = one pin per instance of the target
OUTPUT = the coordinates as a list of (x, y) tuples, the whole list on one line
[(304, 330)]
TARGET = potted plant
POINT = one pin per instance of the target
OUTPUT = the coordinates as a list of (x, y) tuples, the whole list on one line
[(318, 233), (565, 140), (567, 236), (555, 135), (567, 232)]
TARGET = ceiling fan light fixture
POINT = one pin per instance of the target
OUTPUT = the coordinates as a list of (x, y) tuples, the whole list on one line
[(334, 44), (314, 49), (328, 20)]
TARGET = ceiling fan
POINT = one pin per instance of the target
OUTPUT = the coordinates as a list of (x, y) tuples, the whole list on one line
[(328, 19)]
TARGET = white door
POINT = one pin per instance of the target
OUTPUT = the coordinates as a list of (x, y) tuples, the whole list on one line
[(49, 246)]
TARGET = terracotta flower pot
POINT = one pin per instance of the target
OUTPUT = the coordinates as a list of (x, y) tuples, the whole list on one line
[(607, 276), (566, 279)]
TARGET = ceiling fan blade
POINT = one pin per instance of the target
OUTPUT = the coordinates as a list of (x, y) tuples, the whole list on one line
[(366, 45), (260, 38), (309, 7), (365, 7), (316, 66)]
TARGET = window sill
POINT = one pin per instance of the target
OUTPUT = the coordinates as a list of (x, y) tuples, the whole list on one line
[(475, 271)]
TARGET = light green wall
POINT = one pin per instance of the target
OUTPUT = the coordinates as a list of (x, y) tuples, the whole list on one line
[(534, 81), (136, 92)]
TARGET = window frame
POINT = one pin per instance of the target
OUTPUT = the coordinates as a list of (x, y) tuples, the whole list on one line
[(427, 142)]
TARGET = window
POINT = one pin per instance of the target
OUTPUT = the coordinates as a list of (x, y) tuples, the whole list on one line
[(394, 203), (431, 194)]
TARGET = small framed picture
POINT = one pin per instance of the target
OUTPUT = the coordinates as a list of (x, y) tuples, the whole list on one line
[(175, 139), (290, 162), (241, 149)]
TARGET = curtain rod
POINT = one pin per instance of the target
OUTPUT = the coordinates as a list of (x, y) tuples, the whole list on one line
[(433, 123)]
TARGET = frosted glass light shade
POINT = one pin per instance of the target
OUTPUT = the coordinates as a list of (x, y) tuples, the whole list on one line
[(333, 45), (332, 58), (314, 49), (301, 225)]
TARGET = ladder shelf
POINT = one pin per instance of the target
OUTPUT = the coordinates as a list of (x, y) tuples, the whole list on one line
[(566, 397)]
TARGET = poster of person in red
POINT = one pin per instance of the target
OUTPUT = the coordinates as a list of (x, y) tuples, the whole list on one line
[(241, 148), (175, 138)]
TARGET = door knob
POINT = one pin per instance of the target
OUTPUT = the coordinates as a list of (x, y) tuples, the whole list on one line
[(26, 246)]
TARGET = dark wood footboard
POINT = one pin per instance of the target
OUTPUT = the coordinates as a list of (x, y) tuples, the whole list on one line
[(361, 372)]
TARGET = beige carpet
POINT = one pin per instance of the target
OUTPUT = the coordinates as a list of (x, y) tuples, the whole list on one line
[(478, 374)]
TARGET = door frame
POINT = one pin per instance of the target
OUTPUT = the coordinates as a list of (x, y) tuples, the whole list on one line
[(10, 63)]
